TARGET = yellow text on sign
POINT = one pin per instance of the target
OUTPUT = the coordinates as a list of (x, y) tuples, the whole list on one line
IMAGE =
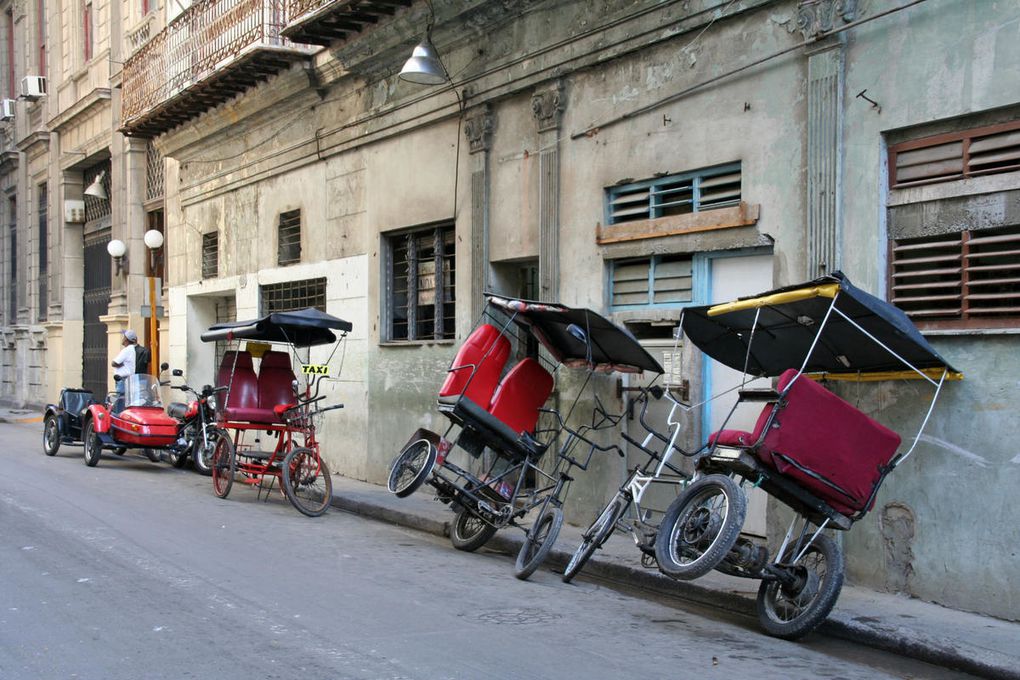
[(315, 369)]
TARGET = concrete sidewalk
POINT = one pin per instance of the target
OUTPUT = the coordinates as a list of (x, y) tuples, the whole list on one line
[(975, 644)]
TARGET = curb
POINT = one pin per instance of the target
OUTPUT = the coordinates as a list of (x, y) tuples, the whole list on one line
[(905, 642)]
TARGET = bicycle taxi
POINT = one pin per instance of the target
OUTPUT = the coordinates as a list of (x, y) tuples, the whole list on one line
[(495, 411), (272, 404), (809, 449)]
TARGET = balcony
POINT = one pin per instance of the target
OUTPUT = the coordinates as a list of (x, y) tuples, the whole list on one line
[(322, 22), (213, 51)]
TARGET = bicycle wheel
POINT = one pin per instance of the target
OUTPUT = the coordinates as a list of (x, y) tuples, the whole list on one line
[(794, 610), (469, 532), (51, 436), (597, 534), (538, 542), (306, 481), (411, 467), (700, 527), (223, 466)]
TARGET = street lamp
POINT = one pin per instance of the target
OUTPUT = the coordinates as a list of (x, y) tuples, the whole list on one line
[(153, 241)]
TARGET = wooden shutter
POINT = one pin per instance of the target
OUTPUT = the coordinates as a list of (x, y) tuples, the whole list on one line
[(942, 158)]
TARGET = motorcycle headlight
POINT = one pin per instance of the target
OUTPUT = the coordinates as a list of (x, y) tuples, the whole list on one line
[(211, 401)]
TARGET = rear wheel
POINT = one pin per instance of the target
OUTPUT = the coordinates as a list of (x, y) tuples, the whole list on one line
[(793, 610), (51, 435), (92, 445), (700, 527), (469, 532), (306, 481), (223, 466), (597, 534), (538, 542), (411, 467)]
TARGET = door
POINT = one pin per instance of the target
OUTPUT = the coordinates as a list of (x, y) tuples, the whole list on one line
[(730, 278), (96, 303)]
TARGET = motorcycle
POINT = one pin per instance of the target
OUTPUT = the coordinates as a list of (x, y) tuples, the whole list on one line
[(197, 434)]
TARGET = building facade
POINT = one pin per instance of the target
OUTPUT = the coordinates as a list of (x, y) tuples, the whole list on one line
[(633, 161)]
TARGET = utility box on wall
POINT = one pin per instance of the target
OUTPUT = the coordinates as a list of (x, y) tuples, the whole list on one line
[(74, 211)]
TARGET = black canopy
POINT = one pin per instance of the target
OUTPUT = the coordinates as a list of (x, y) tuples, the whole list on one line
[(579, 337), (301, 328), (789, 320)]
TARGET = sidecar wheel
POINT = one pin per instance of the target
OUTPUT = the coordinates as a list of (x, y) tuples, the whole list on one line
[(92, 444), (791, 612), (51, 436)]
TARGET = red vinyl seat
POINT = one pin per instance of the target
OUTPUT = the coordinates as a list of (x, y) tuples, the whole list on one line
[(237, 373), (275, 385), (519, 395), (475, 370), (825, 444)]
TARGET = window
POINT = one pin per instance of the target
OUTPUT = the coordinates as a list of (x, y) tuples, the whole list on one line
[(291, 295), (211, 255), (12, 254), (43, 256), (88, 27), (963, 279), (41, 34), (420, 287), (698, 191), (956, 155), (289, 238), (659, 280), (155, 172), (9, 30)]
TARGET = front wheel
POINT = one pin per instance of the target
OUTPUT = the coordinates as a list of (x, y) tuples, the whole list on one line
[(202, 450), (51, 435), (411, 468), (92, 445), (538, 542), (596, 535), (700, 527), (306, 481), (793, 610), (469, 531), (223, 466)]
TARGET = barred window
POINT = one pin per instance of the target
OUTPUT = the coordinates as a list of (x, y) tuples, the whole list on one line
[(657, 281), (291, 295), (967, 279), (696, 191), (43, 240), (957, 155), (421, 288), (211, 255), (289, 243)]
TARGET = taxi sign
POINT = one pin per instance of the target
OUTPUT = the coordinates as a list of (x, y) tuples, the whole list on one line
[(315, 369)]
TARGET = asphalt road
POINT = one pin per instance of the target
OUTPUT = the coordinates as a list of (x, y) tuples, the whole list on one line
[(136, 570)]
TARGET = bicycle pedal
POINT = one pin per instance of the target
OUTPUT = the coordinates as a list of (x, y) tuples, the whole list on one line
[(649, 561)]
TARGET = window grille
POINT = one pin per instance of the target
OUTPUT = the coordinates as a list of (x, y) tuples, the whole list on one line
[(291, 295), (211, 255), (155, 173), (43, 239), (289, 244), (662, 280), (943, 158), (226, 311), (966, 279), (421, 278), (689, 192)]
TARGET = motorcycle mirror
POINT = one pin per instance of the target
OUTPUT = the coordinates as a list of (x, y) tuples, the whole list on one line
[(177, 373), (163, 366)]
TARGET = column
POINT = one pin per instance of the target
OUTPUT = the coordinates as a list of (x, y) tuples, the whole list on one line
[(478, 127)]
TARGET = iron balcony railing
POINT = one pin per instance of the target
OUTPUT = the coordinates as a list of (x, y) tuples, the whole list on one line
[(208, 39), (322, 22)]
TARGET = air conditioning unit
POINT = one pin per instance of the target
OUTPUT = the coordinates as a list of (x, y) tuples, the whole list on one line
[(74, 211), (33, 87), (7, 109)]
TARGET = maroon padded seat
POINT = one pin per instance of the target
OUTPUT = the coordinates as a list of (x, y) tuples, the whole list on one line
[(275, 385), (475, 370), (242, 399), (519, 395), (825, 444)]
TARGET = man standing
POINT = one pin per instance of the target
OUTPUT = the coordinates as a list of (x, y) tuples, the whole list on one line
[(123, 366)]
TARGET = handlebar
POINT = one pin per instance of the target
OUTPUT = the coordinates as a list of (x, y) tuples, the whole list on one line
[(578, 433)]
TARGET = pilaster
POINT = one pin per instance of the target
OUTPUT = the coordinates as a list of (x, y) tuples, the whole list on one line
[(547, 104), (479, 126)]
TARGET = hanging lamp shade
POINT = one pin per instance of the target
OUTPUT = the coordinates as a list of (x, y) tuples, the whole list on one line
[(424, 67), (96, 189)]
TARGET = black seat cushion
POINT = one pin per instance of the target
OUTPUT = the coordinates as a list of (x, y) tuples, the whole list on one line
[(498, 435)]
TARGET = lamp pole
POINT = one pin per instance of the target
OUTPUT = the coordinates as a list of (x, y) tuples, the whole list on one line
[(153, 241)]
